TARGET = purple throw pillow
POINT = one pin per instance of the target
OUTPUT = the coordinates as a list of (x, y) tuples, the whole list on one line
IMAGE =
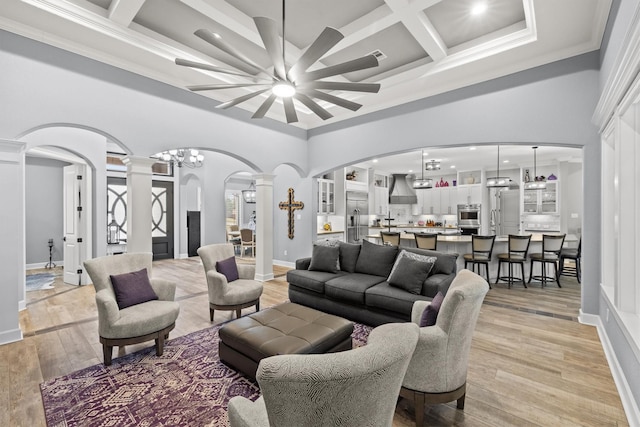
[(229, 268), (132, 288), (430, 314)]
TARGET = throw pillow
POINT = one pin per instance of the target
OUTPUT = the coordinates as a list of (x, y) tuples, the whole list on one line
[(376, 259), (132, 288), (331, 243), (229, 268), (349, 256), (410, 271), (430, 314), (325, 258)]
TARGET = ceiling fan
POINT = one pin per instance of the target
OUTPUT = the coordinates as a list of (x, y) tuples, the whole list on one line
[(287, 83)]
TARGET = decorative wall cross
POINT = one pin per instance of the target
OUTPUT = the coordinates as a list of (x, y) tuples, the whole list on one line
[(290, 205)]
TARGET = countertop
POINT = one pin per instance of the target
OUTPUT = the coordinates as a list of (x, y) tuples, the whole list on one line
[(321, 232), (535, 237)]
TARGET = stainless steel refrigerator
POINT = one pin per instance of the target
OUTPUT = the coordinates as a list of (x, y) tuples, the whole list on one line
[(505, 212), (357, 216)]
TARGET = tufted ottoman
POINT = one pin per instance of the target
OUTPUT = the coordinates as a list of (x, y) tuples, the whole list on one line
[(287, 328)]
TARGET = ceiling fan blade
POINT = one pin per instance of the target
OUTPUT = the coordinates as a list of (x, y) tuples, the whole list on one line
[(260, 112), (269, 33), (341, 102), (363, 63), (290, 110), (242, 98), (217, 41), (197, 88), (202, 66), (313, 106), (354, 87), (325, 41)]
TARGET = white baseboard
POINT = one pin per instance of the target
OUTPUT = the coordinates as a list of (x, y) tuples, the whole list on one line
[(183, 256), (43, 264), (264, 277), (628, 402), (22, 305), (284, 263), (10, 336)]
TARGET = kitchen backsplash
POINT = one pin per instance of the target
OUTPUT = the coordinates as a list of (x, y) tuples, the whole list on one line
[(402, 215)]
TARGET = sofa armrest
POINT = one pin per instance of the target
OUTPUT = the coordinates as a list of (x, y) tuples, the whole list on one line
[(245, 413), (303, 263), (108, 310), (165, 289)]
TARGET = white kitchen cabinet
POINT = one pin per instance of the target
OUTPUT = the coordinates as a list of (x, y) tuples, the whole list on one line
[(541, 201), (444, 201), (469, 194), (424, 206), (379, 194), (326, 196)]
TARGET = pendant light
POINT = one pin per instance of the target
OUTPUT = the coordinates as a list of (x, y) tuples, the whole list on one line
[(498, 181), (422, 183), (535, 184), (249, 195)]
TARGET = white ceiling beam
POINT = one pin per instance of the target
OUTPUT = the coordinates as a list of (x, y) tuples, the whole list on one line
[(123, 11)]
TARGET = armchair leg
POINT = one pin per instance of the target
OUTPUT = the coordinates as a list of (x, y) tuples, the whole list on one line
[(419, 408), (211, 310), (160, 345), (461, 401), (258, 305), (107, 352), (238, 313)]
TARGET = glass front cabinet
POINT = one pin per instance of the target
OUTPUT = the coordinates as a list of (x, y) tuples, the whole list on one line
[(326, 196), (541, 200)]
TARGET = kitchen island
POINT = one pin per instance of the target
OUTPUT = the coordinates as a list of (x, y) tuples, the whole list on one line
[(462, 245)]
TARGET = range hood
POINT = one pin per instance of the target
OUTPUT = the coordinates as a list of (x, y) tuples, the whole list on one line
[(401, 192)]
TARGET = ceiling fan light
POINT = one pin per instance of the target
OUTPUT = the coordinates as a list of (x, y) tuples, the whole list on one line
[(283, 89)]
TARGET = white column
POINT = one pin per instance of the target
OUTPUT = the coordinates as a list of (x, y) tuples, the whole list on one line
[(12, 230), (139, 200), (264, 227)]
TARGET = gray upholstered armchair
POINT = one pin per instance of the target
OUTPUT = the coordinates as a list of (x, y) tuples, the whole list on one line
[(151, 320), (351, 388), (437, 372), (241, 293)]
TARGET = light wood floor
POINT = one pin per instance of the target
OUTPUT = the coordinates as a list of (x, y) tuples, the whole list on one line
[(531, 363)]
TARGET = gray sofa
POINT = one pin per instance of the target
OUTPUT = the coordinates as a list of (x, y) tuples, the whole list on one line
[(358, 287)]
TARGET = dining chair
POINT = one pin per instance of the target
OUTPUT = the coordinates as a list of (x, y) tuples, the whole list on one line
[(551, 247), (390, 238), (574, 254), (247, 241), (426, 241), (517, 254), (481, 250)]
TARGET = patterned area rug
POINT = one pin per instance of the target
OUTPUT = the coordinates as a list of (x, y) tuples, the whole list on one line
[(38, 281), (187, 386)]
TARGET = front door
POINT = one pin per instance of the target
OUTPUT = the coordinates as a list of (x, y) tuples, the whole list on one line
[(74, 213), (162, 219), (193, 232)]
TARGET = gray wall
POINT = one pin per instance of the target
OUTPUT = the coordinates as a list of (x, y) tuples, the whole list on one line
[(43, 206)]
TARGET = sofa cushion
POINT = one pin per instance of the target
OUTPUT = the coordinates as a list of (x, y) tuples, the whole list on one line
[(349, 256), (376, 260), (228, 268), (311, 280), (437, 283), (325, 258), (410, 271), (351, 287), (430, 314), (386, 297), (132, 288), (445, 264)]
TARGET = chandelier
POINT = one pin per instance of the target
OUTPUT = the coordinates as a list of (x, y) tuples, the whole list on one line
[(421, 183), (249, 195), (498, 181), (182, 157), (432, 165)]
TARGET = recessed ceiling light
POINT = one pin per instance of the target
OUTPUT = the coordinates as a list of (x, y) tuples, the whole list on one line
[(452, 166), (472, 148), (479, 9), (505, 161), (375, 160), (410, 170), (425, 154)]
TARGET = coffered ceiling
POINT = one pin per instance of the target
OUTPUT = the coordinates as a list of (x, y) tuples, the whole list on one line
[(426, 47)]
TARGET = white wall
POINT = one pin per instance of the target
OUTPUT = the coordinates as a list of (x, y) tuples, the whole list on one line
[(43, 209)]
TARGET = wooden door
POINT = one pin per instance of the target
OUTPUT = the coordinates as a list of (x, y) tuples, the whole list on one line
[(162, 219), (193, 232)]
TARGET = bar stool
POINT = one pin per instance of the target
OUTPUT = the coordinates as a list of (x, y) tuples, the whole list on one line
[(518, 248), (481, 250), (426, 241), (390, 238), (551, 247), (575, 255)]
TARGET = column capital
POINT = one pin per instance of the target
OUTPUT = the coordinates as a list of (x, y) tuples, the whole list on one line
[(263, 179), (11, 151), (139, 164)]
